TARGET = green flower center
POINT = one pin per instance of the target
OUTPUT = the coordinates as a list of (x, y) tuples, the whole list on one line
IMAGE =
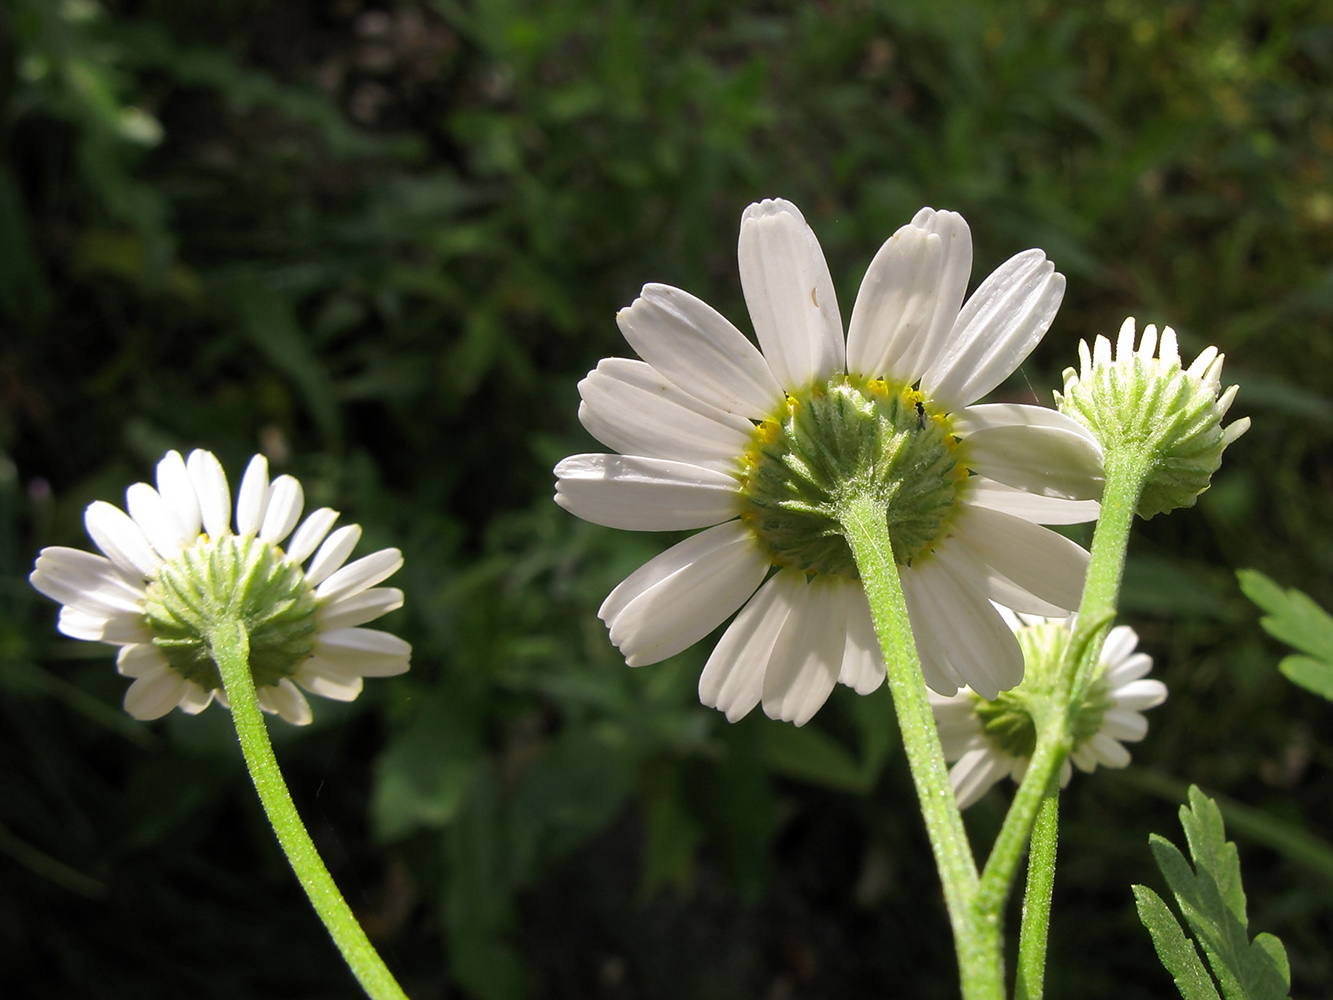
[(232, 578), (1008, 721), (843, 439)]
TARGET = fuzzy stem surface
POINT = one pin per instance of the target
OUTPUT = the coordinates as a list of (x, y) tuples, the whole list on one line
[(230, 645), (1036, 920), (977, 936)]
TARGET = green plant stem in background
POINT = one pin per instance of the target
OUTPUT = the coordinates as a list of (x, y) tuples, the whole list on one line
[(1037, 901), (230, 645), (977, 941)]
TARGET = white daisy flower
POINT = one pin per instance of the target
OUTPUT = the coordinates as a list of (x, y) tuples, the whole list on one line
[(991, 738), (151, 591), (760, 449)]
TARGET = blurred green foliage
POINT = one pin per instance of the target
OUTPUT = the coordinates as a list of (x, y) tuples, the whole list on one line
[(381, 241)]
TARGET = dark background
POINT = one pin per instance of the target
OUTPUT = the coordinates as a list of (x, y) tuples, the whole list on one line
[(381, 242)]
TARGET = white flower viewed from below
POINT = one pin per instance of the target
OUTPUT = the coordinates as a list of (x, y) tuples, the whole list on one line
[(991, 738), (174, 559), (763, 448)]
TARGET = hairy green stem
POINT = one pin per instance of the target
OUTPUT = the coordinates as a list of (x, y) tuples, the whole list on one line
[(230, 646), (977, 938), (1037, 901), (1126, 473)]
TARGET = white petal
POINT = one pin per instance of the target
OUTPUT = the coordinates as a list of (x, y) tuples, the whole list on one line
[(79, 624), (974, 774), (116, 627), (940, 674), (333, 553), (1138, 695), (285, 501), (1107, 751), (318, 678), (1066, 772), (1032, 448), (1169, 352), (360, 608), (910, 296), (1084, 757), (695, 347), (360, 575), (310, 534), (790, 295), (645, 494), (177, 491), (957, 722), (895, 306), (956, 243), (733, 678), (1119, 645), (863, 667), (149, 511), (632, 409), (365, 651), (141, 659), (85, 581), (998, 327), (983, 492), (210, 486), (1005, 596), (1125, 725), (286, 701), (194, 699), (673, 601), (121, 539), (963, 625), (807, 656), (1200, 365), (1124, 343), (1148, 344), (1040, 561), (252, 501), (154, 695)]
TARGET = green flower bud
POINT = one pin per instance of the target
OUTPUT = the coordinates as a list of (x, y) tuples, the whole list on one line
[(1144, 403)]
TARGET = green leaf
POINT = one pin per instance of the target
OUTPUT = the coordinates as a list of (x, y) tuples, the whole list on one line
[(1313, 675), (1295, 619), (1212, 900), (672, 836), (809, 754), (1176, 951), (423, 779)]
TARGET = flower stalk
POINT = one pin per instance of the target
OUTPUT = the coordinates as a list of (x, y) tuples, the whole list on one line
[(977, 941), (1126, 473), (1036, 920), (229, 644)]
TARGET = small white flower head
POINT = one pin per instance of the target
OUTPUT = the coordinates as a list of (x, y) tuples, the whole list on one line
[(1144, 401), (173, 564), (991, 739), (765, 446)]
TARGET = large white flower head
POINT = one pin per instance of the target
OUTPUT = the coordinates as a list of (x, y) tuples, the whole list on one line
[(761, 449), (1143, 401), (173, 561), (991, 738)]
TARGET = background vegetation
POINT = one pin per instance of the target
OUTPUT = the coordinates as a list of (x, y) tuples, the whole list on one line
[(381, 240)]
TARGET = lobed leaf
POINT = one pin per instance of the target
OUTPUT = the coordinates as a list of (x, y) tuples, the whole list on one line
[(1294, 618), (1212, 900)]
